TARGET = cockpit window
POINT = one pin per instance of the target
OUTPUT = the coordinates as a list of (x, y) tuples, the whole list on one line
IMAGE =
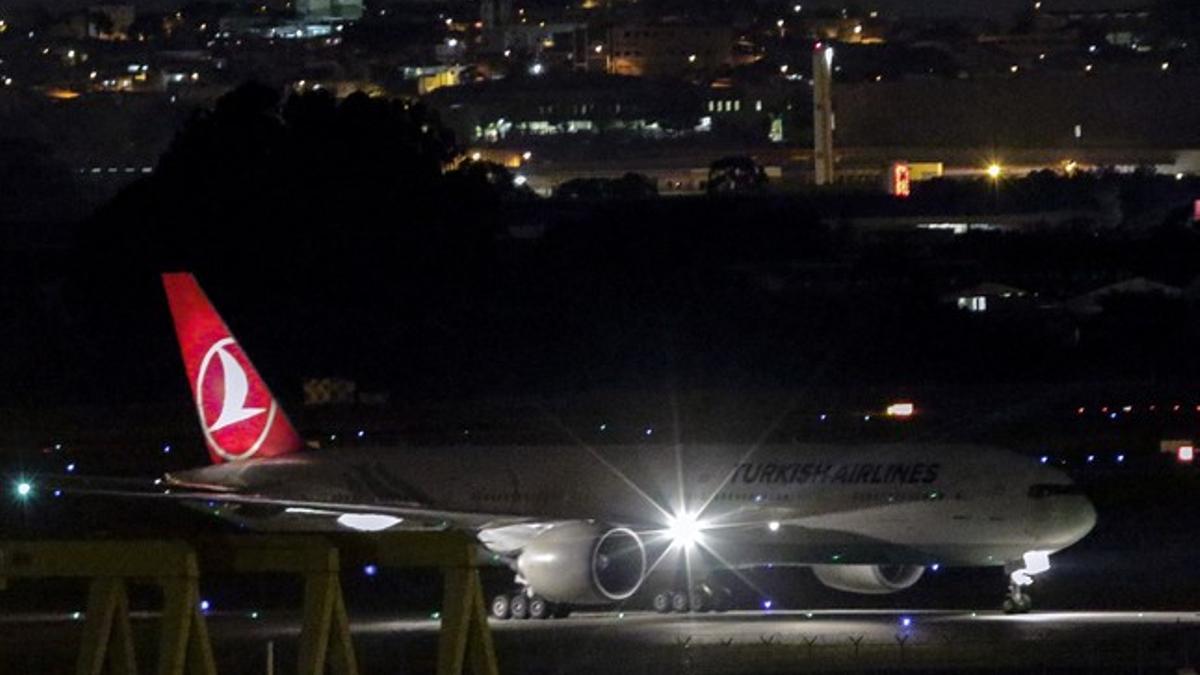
[(1052, 490)]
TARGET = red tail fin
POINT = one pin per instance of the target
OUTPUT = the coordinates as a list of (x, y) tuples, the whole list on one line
[(239, 416)]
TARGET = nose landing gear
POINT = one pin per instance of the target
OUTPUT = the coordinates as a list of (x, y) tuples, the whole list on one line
[(1018, 601), (1020, 576)]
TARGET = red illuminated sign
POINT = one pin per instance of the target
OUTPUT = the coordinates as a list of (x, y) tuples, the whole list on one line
[(901, 180)]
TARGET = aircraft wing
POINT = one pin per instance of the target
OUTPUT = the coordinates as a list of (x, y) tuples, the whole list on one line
[(306, 514)]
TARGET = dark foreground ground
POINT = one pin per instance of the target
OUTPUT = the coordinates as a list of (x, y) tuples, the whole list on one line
[(737, 642)]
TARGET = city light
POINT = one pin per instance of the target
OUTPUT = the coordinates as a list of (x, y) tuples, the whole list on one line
[(994, 171), (1185, 454)]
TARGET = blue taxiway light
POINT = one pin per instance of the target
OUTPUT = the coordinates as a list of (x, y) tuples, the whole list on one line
[(906, 621), (370, 570)]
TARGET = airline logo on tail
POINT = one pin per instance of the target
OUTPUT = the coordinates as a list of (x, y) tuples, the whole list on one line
[(227, 405), (238, 415)]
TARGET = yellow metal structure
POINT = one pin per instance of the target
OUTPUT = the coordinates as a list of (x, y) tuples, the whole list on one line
[(183, 647), (465, 641)]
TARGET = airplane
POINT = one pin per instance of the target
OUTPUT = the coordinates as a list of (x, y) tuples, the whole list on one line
[(584, 526)]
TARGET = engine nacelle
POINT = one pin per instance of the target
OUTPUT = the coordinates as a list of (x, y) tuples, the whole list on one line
[(869, 579), (583, 563)]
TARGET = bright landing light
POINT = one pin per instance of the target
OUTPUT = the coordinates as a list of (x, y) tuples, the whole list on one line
[(684, 530), (23, 489)]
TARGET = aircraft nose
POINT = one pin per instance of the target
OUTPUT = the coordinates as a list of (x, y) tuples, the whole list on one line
[(1072, 519), (1085, 516)]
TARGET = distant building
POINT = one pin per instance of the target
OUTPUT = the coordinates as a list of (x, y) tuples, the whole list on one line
[(668, 50), (329, 10), (583, 104)]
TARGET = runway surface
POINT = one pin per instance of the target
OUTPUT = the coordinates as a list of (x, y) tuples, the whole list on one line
[(733, 642)]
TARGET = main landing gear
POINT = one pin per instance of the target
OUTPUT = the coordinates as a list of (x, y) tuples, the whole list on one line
[(521, 605), (704, 597)]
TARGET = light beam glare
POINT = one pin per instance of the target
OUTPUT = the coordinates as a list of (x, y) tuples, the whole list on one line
[(758, 444), (681, 506), (736, 572), (599, 458)]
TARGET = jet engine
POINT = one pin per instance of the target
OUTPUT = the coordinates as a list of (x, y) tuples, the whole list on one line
[(583, 563), (869, 579)]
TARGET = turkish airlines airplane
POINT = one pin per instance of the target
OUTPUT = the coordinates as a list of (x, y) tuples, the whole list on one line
[(581, 525)]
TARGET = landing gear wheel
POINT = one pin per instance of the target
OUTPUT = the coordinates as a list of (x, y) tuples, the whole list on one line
[(1025, 603), (679, 602), (500, 607), (700, 600), (1017, 602), (539, 608), (662, 602), (518, 606)]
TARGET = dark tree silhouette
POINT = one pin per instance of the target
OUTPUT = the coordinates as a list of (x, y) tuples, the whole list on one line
[(261, 172)]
